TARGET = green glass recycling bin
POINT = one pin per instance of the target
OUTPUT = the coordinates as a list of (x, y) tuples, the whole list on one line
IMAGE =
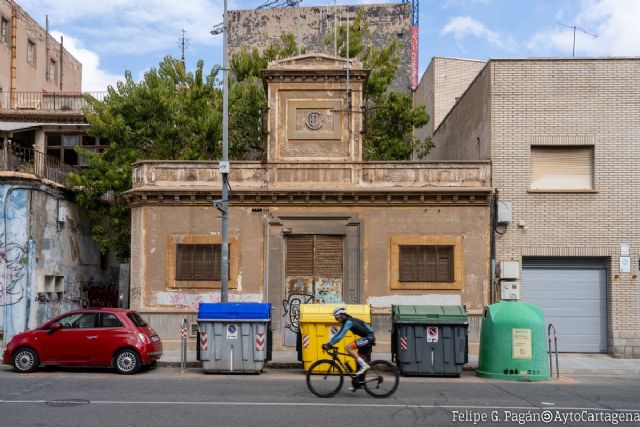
[(429, 339), (513, 344)]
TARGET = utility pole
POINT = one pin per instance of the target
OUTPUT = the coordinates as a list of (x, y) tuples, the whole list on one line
[(223, 166), (224, 163)]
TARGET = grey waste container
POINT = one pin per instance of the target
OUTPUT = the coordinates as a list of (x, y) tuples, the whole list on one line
[(429, 339), (234, 337)]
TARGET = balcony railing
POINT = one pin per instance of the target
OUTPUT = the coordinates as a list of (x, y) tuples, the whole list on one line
[(26, 160), (47, 101)]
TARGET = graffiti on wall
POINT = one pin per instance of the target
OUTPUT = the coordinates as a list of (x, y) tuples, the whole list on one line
[(292, 310), (76, 294), (192, 300), (328, 291), (13, 266)]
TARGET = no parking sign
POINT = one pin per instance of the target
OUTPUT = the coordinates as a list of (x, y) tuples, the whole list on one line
[(232, 331), (432, 334)]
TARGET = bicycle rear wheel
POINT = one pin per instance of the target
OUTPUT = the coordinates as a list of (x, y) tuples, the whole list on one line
[(325, 378), (382, 379)]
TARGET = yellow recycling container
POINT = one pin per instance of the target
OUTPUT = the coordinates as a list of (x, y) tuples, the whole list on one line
[(317, 326)]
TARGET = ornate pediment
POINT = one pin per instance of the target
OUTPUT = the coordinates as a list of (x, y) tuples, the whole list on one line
[(314, 61)]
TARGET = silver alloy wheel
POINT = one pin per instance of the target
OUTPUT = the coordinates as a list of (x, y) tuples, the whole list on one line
[(24, 360), (126, 361)]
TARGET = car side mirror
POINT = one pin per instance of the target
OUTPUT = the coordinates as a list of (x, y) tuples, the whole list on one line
[(54, 328)]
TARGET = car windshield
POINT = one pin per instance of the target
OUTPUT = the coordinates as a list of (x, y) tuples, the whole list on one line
[(137, 319)]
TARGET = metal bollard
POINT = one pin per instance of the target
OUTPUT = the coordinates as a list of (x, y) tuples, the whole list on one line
[(555, 344), (183, 346)]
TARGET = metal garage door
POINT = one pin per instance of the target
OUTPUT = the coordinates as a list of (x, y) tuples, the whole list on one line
[(572, 294)]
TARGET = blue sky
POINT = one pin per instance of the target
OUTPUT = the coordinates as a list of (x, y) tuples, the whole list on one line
[(111, 36)]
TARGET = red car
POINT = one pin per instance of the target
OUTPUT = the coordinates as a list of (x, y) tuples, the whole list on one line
[(91, 337)]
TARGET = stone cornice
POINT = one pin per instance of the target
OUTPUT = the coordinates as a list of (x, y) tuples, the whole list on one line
[(383, 197)]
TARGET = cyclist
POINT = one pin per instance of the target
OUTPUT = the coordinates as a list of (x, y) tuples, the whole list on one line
[(359, 328)]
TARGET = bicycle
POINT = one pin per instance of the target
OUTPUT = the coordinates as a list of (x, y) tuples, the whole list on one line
[(326, 376)]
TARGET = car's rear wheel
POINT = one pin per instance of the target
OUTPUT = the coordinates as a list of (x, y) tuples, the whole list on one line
[(127, 361), (25, 360)]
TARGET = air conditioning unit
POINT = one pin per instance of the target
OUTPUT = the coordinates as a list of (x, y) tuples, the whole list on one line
[(509, 291)]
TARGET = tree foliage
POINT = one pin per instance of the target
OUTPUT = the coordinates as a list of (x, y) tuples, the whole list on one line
[(391, 116), (170, 114)]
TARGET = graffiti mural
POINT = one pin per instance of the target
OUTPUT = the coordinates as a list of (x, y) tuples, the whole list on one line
[(292, 310), (328, 291), (13, 266)]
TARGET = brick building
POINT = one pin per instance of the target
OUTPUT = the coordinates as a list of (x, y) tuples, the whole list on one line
[(562, 136)]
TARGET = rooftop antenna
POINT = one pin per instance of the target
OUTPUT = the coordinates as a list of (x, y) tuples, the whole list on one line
[(582, 30), (183, 43)]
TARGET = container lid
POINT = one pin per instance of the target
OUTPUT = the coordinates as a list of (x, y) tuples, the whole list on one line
[(431, 314), (234, 311), (323, 313)]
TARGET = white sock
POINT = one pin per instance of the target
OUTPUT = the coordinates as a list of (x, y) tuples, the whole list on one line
[(360, 361)]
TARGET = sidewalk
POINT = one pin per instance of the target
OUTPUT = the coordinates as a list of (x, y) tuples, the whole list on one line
[(570, 363)]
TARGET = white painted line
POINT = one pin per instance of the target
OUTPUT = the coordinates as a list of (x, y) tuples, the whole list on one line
[(322, 404)]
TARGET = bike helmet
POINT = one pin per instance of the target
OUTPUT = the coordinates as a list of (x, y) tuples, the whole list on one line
[(338, 311)]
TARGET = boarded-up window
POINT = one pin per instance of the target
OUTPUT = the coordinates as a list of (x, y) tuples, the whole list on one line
[(198, 262), (426, 263), (562, 168), (314, 256)]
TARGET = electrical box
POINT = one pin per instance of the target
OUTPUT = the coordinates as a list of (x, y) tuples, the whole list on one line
[(509, 270), (224, 167), (504, 212), (509, 291), (62, 214)]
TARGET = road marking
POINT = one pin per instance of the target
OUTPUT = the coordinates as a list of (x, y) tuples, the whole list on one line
[(321, 404), (567, 380)]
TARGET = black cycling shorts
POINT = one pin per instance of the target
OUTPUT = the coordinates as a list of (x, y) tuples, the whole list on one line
[(365, 342)]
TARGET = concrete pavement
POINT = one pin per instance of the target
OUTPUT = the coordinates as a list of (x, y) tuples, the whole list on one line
[(570, 363)]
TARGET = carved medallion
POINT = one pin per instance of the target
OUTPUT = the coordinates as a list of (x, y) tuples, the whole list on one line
[(314, 121)]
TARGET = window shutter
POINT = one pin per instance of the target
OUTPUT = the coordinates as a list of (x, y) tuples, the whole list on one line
[(328, 257), (198, 262), (299, 255), (562, 168), (426, 263)]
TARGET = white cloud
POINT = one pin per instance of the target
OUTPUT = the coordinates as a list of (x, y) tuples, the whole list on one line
[(129, 27), (614, 21), (466, 26), (94, 79)]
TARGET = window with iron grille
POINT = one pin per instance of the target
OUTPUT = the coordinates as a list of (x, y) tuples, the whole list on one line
[(198, 262), (426, 263)]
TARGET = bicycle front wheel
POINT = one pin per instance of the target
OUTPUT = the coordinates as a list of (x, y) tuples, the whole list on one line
[(382, 379), (325, 378)]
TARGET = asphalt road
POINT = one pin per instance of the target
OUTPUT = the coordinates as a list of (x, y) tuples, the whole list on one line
[(166, 397)]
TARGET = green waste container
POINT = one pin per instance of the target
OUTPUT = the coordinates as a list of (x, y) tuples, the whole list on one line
[(513, 344), (429, 339)]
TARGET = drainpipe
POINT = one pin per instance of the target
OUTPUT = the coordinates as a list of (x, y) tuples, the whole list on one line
[(492, 267), (46, 49), (61, 60), (14, 29)]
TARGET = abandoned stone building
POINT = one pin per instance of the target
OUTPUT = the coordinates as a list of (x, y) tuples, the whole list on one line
[(314, 223)]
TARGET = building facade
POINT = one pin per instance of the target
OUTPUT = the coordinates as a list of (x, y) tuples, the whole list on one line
[(311, 25), (313, 223), (31, 61), (562, 136)]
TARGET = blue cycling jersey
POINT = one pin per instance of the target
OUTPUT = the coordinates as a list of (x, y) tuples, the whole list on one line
[(357, 326)]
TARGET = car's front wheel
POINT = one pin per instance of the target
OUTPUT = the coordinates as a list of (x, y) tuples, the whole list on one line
[(25, 360), (127, 361)]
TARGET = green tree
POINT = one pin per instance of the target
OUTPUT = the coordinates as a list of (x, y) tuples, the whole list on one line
[(391, 116), (247, 96), (170, 114)]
